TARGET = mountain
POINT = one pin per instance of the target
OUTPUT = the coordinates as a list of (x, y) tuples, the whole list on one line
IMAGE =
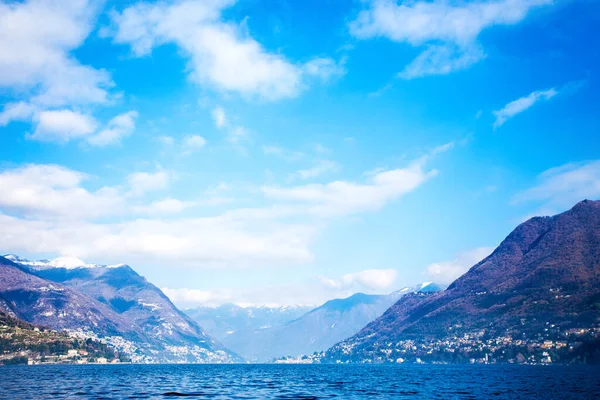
[(316, 330), (112, 303), (539, 290), (224, 320)]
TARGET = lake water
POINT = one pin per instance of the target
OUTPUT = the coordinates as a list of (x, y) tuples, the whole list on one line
[(300, 381)]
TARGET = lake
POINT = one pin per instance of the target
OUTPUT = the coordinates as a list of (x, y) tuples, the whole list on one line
[(300, 381)]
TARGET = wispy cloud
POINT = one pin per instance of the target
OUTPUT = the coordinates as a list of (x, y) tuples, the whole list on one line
[(371, 279), (561, 187), (321, 149), (117, 128), (445, 272), (346, 198), (166, 140), (518, 106), (320, 167), (442, 60), (284, 154), (141, 183), (165, 206), (235, 133), (218, 114)]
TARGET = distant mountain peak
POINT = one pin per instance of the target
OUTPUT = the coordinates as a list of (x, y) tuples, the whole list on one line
[(425, 284), (429, 286), (68, 262), (13, 257)]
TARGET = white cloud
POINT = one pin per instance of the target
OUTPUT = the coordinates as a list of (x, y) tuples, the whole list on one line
[(372, 279), (194, 297), (193, 142), (21, 111), (117, 128), (280, 152), (450, 30), (164, 207), (47, 209), (324, 68), (344, 198), (210, 242), (302, 294), (442, 60), (46, 83), (188, 144), (320, 149), (446, 272), (166, 140), (36, 40), (143, 182), (218, 114), (518, 106), (564, 186), (321, 167), (235, 133), (52, 191), (65, 125), (221, 54), (62, 125)]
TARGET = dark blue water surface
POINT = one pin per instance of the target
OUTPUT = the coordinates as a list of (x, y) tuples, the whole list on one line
[(300, 381)]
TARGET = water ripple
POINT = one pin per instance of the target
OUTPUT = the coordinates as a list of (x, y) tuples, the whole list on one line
[(299, 382)]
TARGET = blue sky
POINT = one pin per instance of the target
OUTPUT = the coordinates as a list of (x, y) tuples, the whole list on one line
[(273, 152)]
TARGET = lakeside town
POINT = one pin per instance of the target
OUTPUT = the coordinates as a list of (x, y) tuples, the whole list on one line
[(23, 343), (552, 346)]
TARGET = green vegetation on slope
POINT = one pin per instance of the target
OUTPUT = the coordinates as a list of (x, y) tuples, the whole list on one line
[(23, 343)]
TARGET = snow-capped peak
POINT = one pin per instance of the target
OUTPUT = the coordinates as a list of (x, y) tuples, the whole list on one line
[(115, 265), (13, 257), (425, 284), (68, 262), (60, 262)]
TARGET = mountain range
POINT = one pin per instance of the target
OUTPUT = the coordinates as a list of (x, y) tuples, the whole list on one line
[(227, 319), (262, 334), (539, 288), (112, 303), (536, 298)]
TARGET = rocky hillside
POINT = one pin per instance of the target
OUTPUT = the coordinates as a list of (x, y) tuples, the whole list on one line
[(109, 302), (540, 283)]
